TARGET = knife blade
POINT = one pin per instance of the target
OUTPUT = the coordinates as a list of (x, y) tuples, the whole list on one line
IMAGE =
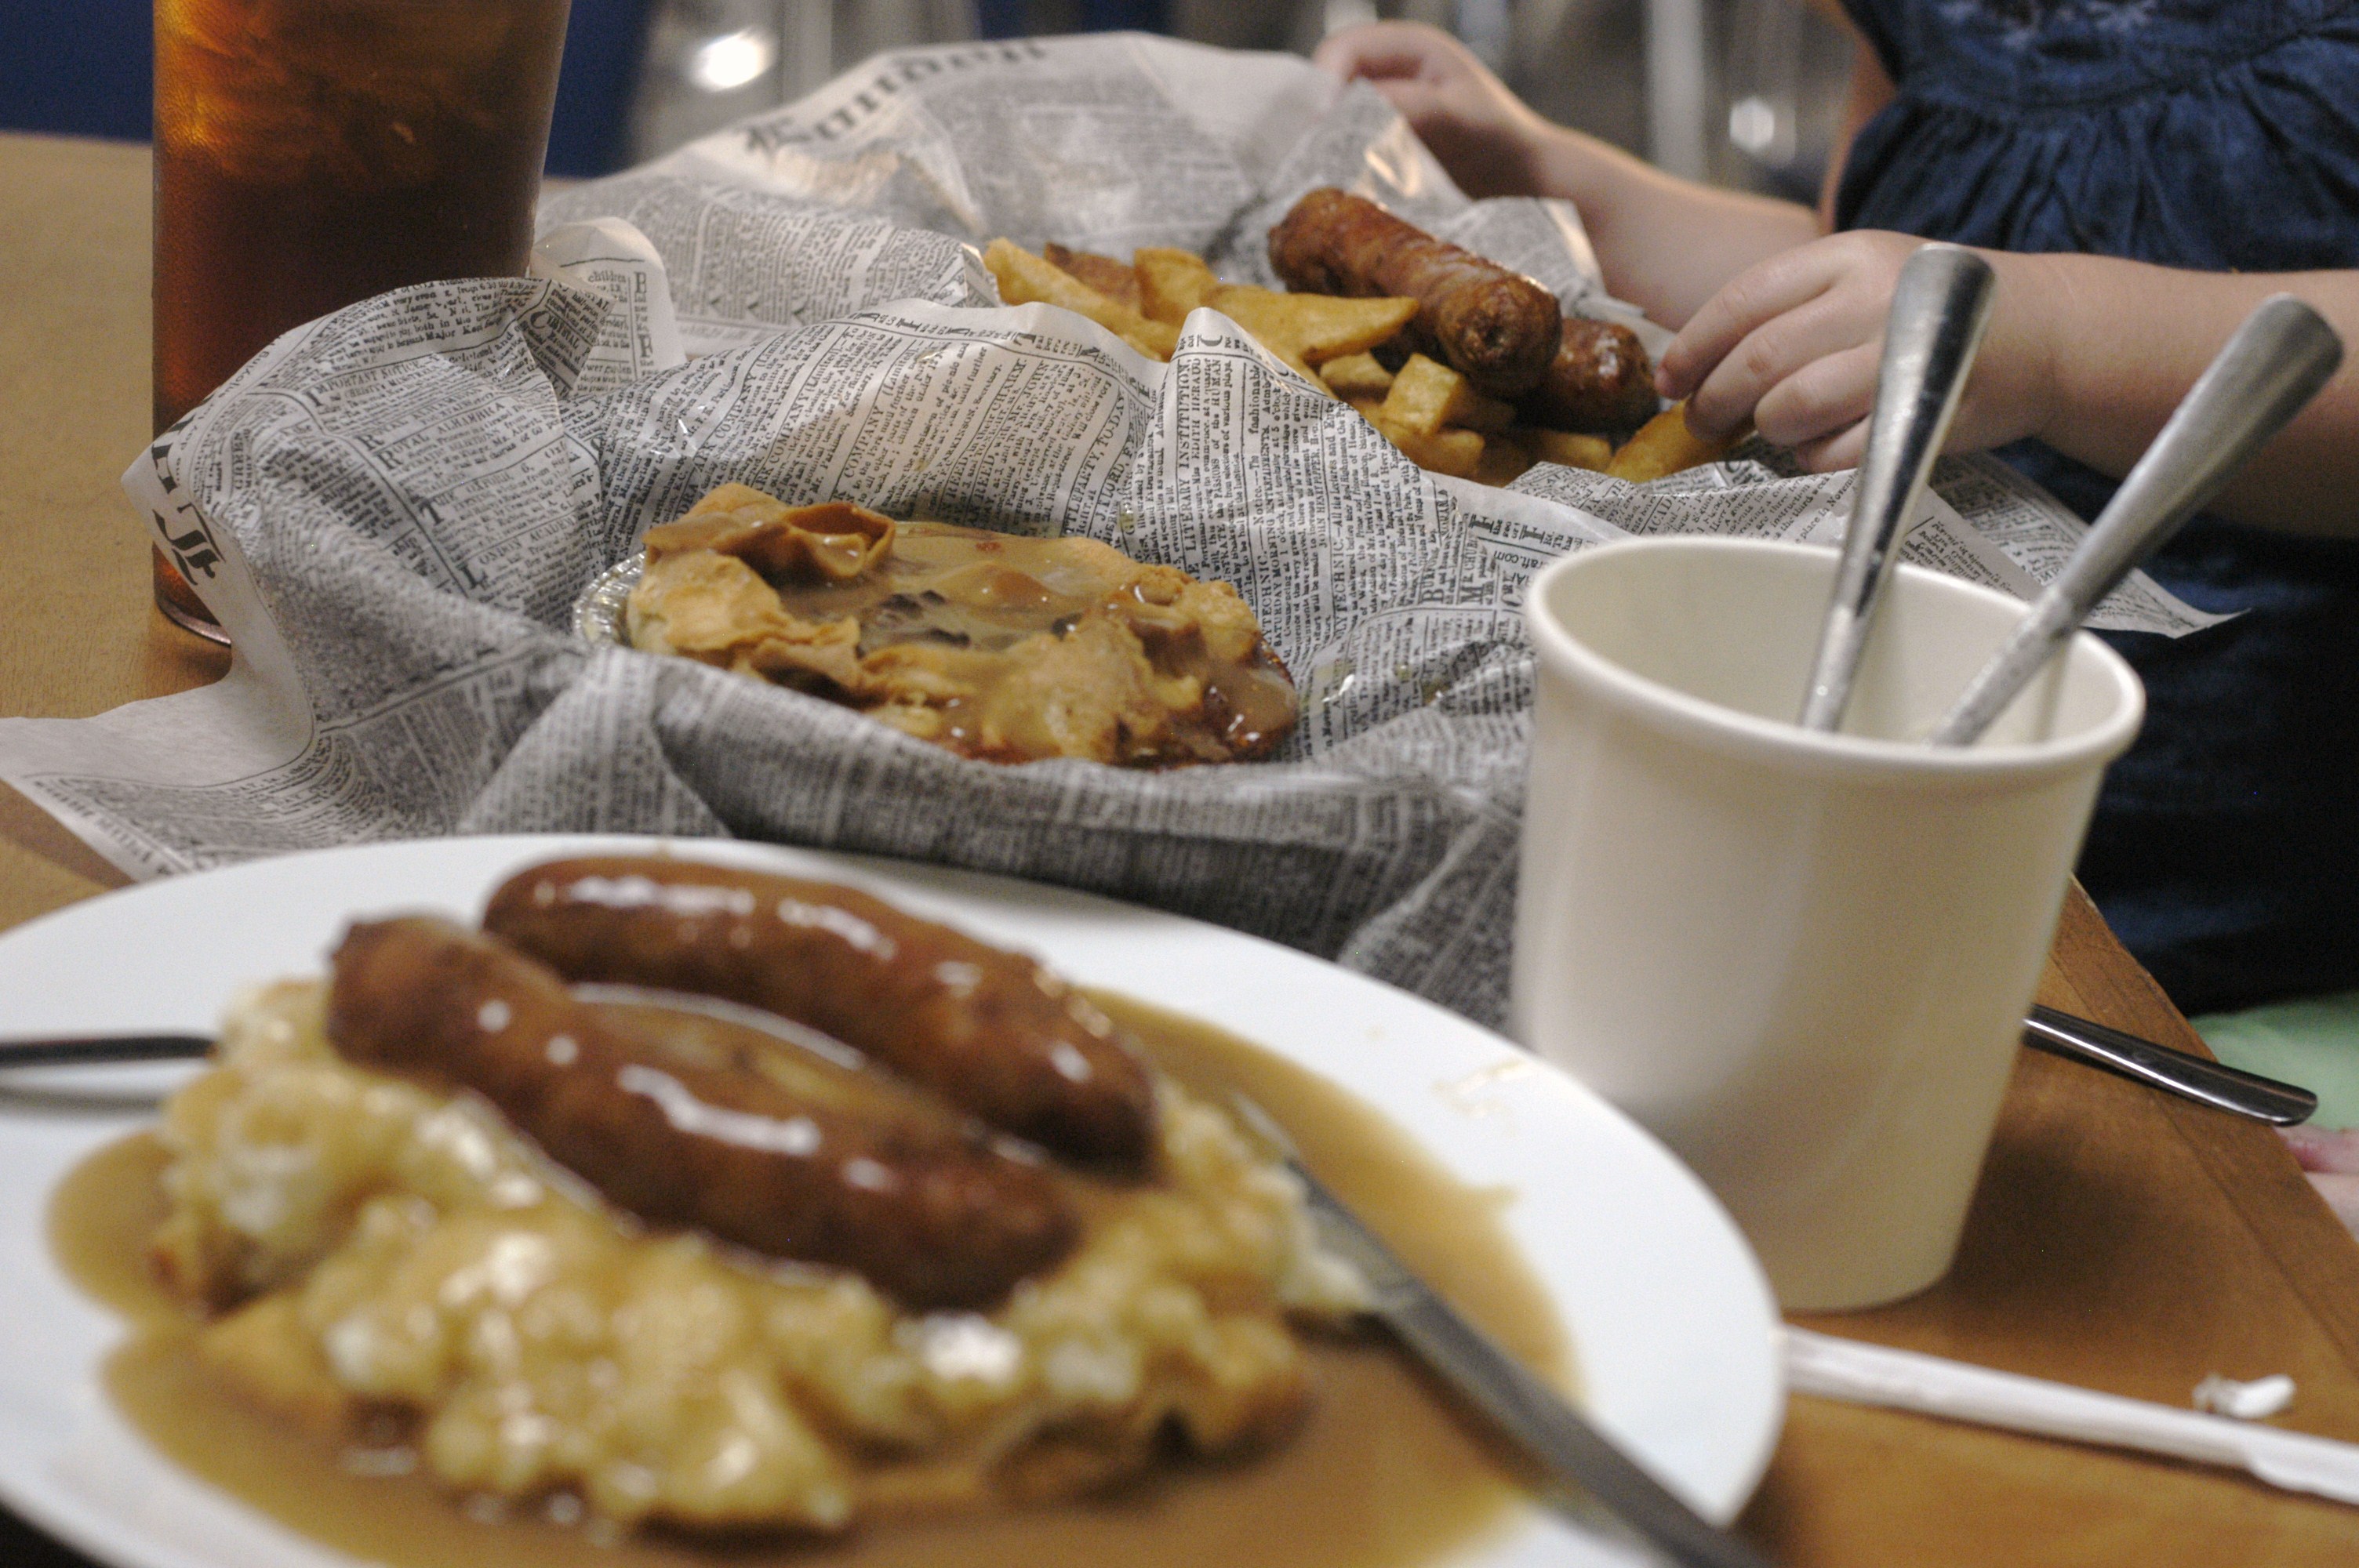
[(2058, 1033), (1538, 1419)]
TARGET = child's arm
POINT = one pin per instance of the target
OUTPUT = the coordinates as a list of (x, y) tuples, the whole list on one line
[(1664, 244), (2088, 353), (1783, 325)]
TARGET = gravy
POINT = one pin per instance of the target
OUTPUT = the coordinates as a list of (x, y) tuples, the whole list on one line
[(1384, 1471)]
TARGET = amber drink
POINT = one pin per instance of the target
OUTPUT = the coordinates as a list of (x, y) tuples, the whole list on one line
[(312, 153)]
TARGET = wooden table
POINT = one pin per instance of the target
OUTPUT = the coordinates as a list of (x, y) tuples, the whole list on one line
[(2120, 1239)]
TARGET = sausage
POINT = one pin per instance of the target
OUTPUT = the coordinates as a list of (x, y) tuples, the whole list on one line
[(990, 1031), (1601, 379), (694, 1121), (1497, 328)]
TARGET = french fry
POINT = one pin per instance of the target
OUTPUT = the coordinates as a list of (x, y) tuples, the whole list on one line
[(1488, 414), (1354, 376), (1462, 453), (1563, 447), (1430, 412), (1293, 360), (1422, 394), (1457, 453), (1428, 395), (1316, 327), (1664, 445), (1171, 283), (1272, 329), (1504, 461), (1110, 277), (1026, 279)]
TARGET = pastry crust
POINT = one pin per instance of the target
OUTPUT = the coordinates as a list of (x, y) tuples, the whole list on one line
[(997, 647)]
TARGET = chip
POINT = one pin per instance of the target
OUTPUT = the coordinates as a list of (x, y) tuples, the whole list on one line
[(1488, 414), (1314, 327), (1171, 283), (1664, 446), (1457, 453), (1026, 279), (1428, 410), (1503, 461), (1563, 447), (1428, 395), (1110, 277), (1270, 327), (1354, 376)]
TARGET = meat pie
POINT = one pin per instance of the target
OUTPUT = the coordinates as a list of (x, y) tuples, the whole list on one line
[(997, 647)]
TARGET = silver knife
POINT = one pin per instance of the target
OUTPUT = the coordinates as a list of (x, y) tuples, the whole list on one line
[(2206, 1082), (1537, 1417)]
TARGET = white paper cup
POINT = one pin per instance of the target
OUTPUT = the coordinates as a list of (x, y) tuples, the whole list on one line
[(1802, 960)]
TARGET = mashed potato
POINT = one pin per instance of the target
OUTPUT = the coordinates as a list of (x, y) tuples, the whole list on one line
[(388, 1258)]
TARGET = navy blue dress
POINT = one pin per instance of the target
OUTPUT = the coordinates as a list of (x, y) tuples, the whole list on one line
[(2217, 136)]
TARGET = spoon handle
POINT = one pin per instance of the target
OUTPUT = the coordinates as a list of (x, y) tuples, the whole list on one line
[(1938, 310), (2277, 360), (2214, 1084)]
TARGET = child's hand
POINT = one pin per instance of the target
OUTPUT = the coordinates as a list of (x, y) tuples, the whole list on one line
[(1793, 344), (2332, 1161), (1483, 134)]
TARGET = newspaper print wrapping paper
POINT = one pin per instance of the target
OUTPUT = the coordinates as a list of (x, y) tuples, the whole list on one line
[(393, 509)]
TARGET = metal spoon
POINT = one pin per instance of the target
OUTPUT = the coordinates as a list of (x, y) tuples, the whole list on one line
[(1938, 310), (2276, 363)]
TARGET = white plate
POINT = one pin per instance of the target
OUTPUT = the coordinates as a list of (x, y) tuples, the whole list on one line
[(1670, 1317)]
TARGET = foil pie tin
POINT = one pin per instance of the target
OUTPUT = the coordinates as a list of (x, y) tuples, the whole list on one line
[(598, 613)]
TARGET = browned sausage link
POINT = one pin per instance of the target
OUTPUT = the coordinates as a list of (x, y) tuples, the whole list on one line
[(858, 1171), (1600, 380), (1497, 327), (990, 1031)]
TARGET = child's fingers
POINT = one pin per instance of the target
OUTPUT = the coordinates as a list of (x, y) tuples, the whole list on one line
[(2342, 1195), (2324, 1149), (2329, 1157), (1832, 454), (1774, 351), (1380, 50), (1349, 57), (1418, 99), (1743, 306), (1825, 397)]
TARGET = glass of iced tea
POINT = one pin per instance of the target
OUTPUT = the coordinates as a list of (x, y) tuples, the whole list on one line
[(312, 153)]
